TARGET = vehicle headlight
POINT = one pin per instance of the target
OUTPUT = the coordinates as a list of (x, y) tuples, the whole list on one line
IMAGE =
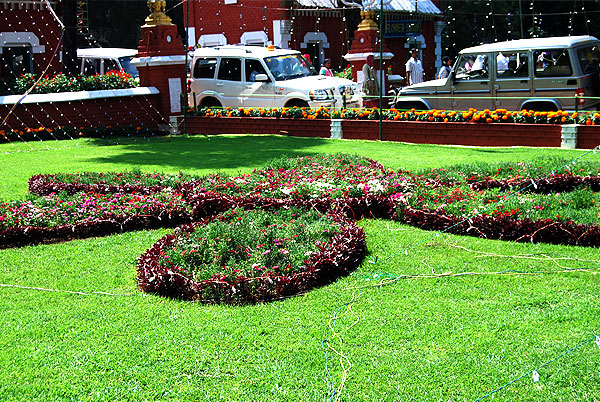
[(346, 89), (318, 94)]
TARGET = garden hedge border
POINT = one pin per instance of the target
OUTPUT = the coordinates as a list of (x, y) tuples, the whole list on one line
[(557, 183), (343, 253), (29, 235), (504, 228), (43, 184)]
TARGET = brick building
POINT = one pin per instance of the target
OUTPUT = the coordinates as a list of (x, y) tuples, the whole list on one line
[(320, 28), (29, 35)]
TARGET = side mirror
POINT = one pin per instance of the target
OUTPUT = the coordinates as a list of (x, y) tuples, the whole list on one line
[(261, 78)]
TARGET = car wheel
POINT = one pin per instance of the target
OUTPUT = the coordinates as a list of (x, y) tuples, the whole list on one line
[(210, 102), (410, 105), (297, 102)]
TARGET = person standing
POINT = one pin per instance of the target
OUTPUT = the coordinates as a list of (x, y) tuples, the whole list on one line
[(445, 69), (414, 68), (326, 68), (370, 84)]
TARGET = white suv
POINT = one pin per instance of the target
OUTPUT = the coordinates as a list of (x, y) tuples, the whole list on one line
[(101, 60), (251, 76)]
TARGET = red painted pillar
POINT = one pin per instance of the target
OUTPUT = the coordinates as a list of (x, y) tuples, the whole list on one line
[(161, 59), (366, 42)]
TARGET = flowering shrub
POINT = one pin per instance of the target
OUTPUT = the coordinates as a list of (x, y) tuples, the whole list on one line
[(64, 83), (580, 205), (248, 244), (285, 245), (468, 116), (105, 183), (331, 176), (251, 256), (475, 199), (60, 209), (69, 133)]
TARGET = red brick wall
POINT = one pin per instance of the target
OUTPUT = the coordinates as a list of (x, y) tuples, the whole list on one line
[(258, 125), (42, 24), (333, 28), (232, 20), (588, 137), (115, 112), (496, 135), (534, 135)]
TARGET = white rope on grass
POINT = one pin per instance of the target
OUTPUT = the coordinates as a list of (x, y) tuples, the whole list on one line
[(65, 291)]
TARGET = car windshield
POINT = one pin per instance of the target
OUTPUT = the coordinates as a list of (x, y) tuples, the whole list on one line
[(128, 67), (289, 66)]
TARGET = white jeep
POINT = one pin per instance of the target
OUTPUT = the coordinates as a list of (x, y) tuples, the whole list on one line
[(251, 76)]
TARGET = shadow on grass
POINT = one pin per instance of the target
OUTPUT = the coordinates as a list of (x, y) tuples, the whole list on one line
[(209, 152)]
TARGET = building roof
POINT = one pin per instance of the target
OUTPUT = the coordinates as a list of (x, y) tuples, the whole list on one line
[(413, 6), (534, 43)]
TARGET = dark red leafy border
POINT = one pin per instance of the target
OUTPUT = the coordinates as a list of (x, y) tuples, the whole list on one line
[(46, 184), (504, 228), (342, 254)]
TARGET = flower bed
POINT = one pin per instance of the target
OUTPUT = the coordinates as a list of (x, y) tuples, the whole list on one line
[(106, 183), (560, 209), (69, 133), (471, 115), (469, 200), (252, 256), (58, 217), (63, 83), (339, 176), (91, 204)]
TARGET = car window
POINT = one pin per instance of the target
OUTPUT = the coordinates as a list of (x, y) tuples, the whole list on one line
[(512, 65), (128, 67), (253, 68), (91, 66), (588, 59), (552, 63), (287, 67), (109, 65), (472, 66), (205, 67), (230, 69)]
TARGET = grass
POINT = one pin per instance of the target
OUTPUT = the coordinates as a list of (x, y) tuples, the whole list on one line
[(440, 338)]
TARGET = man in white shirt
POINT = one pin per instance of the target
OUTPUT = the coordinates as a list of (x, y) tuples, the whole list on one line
[(414, 68)]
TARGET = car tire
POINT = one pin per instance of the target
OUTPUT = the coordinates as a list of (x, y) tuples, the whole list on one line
[(210, 102), (411, 105), (297, 102)]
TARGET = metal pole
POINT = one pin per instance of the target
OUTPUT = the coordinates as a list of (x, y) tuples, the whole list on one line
[(521, 18), (381, 82), (185, 80)]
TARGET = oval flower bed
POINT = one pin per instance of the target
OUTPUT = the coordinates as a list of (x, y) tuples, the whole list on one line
[(245, 256)]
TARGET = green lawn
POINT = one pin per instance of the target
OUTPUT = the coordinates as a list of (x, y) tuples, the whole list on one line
[(434, 338)]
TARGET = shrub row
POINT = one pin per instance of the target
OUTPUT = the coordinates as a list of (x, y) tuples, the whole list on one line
[(342, 254), (470, 116), (27, 235), (554, 184), (64, 83), (503, 228), (45, 184)]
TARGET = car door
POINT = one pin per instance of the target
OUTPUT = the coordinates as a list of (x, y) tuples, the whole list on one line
[(512, 83), (471, 86), (229, 85), (254, 93), (202, 82)]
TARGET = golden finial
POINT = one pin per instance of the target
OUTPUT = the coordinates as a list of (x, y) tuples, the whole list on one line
[(157, 14), (367, 23)]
